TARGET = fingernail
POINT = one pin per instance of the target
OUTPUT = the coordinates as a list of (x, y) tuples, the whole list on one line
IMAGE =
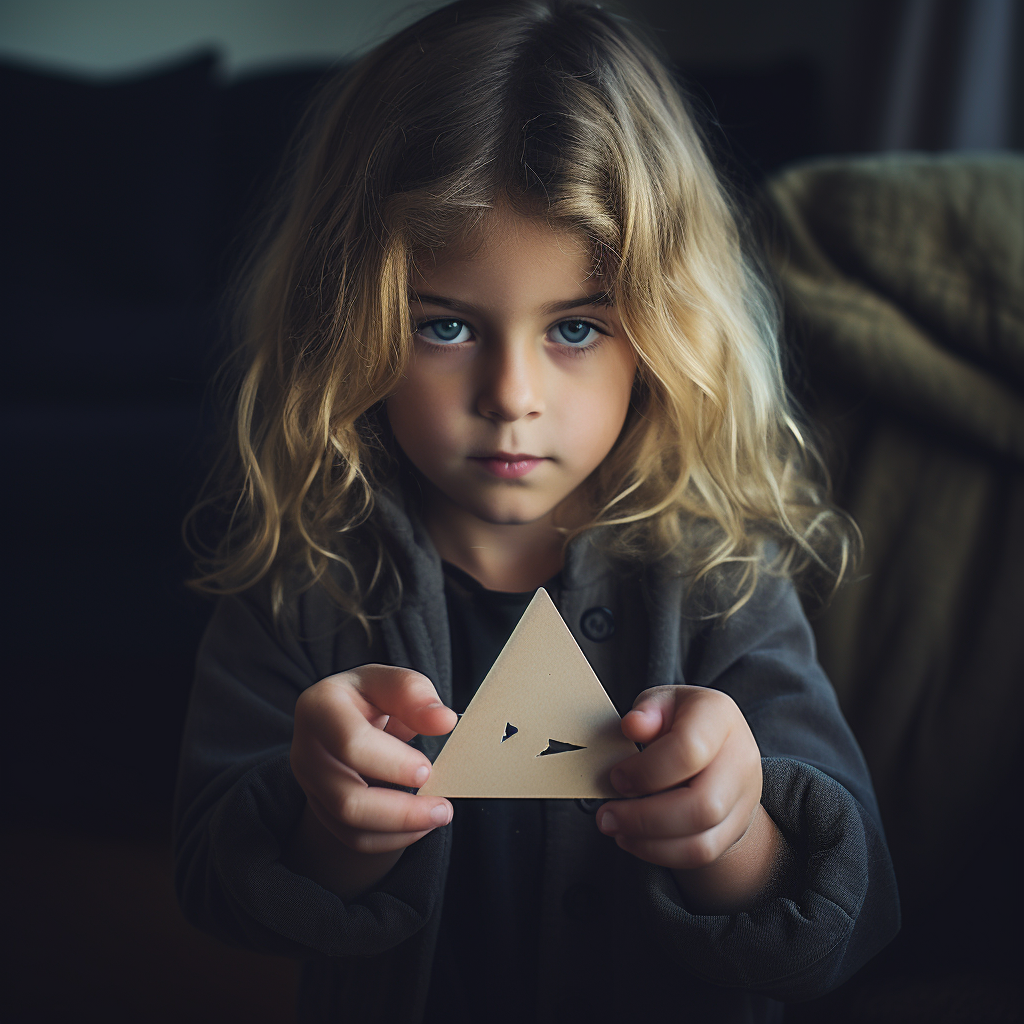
[(441, 815), (619, 780), (608, 823), (422, 774)]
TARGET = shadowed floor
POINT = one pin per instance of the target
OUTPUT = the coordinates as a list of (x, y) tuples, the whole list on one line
[(98, 936)]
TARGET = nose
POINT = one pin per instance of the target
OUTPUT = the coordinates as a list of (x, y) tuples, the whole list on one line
[(510, 387)]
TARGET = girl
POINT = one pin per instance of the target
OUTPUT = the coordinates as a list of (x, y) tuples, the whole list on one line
[(503, 334)]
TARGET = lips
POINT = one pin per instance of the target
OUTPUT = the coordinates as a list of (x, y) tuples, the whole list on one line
[(508, 465)]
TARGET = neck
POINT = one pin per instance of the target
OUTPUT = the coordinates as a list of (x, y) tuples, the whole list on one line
[(513, 558)]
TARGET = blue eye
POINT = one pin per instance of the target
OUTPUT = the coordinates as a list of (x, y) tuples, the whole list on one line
[(443, 332), (575, 332)]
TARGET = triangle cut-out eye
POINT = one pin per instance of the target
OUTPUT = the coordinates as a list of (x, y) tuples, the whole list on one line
[(510, 730), (558, 747)]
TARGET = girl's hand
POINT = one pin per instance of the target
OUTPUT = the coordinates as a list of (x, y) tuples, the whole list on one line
[(699, 783), (350, 743)]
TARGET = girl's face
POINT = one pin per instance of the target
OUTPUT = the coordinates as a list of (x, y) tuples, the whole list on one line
[(521, 375)]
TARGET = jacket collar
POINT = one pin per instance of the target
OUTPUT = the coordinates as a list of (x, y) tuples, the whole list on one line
[(585, 561)]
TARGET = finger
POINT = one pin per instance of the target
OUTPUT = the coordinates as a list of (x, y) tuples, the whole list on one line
[(365, 841), (699, 728), (404, 694), (688, 852), (379, 809), (661, 816), (332, 731), (706, 801), (651, 714)]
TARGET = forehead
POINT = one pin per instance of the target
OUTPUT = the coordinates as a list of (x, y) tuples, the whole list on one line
[(507, 247)]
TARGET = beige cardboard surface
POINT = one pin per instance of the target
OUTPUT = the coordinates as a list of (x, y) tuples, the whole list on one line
[(544, 688)]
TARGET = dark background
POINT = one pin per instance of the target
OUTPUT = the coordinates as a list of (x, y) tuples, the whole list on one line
[(127, 199)]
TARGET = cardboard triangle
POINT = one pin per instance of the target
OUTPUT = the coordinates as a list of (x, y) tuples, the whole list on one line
[(540, 725)]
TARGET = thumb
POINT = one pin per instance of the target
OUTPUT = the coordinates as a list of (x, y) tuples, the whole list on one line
[(651, 715), (408, 697)]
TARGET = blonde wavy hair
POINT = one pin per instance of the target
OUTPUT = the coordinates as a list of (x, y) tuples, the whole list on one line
[(560, 109)]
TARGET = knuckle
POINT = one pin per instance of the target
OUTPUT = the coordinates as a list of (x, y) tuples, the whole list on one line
[(720, 701), (350, 747), (709, 811), (363, 842), (688, 741), (717, 697), (675, 756), (699, 749), (703, 850), (323, 691), (351, 807)]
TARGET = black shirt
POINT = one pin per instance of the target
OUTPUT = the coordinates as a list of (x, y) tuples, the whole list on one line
[(485, 967)]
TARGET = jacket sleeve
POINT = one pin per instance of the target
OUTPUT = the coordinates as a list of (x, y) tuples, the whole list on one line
[(843, 907), (237, 802)]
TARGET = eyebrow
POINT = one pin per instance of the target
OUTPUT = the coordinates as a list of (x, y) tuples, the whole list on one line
[(559, 306)]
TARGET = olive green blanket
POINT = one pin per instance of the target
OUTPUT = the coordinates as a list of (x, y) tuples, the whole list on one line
[(903, 288)]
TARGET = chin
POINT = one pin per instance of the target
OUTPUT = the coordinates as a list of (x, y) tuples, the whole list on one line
[(510, 515), (509, 519)]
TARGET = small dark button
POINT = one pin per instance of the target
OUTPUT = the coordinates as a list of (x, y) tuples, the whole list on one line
[(582, 903), (597, 624), (589, 806)]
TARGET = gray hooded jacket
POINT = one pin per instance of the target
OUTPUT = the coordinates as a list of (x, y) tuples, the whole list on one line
[(616, 939)]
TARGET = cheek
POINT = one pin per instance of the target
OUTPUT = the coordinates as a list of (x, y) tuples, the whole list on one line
[(597, 413), (591, 419), (420, 410)]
